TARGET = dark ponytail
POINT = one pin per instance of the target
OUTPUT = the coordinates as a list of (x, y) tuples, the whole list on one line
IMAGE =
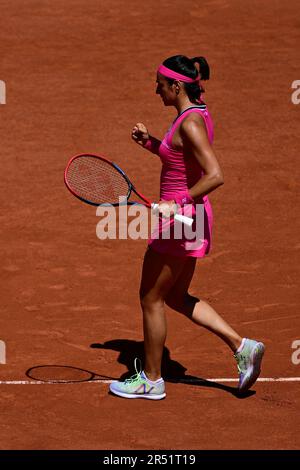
[(185, 66), (203, 67)]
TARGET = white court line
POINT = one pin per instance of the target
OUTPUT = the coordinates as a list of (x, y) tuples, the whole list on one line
[(183, 380)]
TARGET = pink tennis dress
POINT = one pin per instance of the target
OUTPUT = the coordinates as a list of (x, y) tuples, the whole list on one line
[(178, 174)]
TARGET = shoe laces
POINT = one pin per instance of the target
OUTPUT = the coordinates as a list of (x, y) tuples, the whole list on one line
[(138, 370), (241, 362)]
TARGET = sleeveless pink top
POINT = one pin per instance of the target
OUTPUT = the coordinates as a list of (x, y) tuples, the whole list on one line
[(179, 173)]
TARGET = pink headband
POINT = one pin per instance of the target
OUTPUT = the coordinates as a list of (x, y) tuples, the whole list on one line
[(176, 76)]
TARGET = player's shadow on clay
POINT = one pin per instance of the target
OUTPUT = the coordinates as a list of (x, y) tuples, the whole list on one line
[(172, 371)]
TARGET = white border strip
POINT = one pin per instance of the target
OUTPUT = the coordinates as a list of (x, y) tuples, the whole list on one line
[(183, 380), (262, 379)]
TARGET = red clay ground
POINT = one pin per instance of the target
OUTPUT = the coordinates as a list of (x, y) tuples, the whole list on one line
[(79, 74)]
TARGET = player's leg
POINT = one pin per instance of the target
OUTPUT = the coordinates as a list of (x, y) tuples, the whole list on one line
[(248, 353), (199, 311), (158, 276)]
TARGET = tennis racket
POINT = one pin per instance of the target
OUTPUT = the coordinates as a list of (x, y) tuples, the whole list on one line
[(95, 180)]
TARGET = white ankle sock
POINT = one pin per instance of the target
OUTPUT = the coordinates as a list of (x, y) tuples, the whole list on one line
[(152, 381)]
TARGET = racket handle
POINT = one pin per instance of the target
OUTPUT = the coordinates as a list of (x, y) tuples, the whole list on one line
[(184, 219), (180, 218)]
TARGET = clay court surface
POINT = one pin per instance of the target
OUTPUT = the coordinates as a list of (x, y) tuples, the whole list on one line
[(79, 74)]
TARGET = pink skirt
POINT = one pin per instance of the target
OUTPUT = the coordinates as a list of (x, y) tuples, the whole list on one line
[(172, 238)]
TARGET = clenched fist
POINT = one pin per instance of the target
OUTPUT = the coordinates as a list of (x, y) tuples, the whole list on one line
[(140, 133)]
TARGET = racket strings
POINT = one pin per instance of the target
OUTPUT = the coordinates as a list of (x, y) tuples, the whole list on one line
[(96, 180)]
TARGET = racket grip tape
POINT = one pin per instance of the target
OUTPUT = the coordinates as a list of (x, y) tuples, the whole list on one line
[(184, 219), (180, 218)]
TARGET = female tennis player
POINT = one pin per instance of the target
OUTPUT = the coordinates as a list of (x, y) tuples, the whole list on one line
[(190, 171)]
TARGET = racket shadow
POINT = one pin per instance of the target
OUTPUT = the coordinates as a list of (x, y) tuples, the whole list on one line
[(55, 374), (172, 371)]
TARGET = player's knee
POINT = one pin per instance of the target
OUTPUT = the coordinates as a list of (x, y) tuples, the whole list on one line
[(150, 302), (177, 302), (182, 304)]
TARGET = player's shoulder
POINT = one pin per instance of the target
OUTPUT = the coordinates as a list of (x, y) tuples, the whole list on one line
[(193, 121)]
